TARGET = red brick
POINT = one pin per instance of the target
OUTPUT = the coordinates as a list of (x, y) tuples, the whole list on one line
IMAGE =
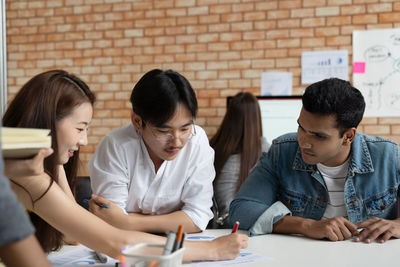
[(314, 3), (294, 42), (278, 14), (313, 22), (312, 42), (232, 17), (327, 11), (263, 63), (254, 16), (267, 5), (302, 12), (307, 32), (265, 25), (277, 34), (243, 45), (220, 9), (327, 31), (388, 17), (287, 62), (289, 4), (340, 20), (365, 19)]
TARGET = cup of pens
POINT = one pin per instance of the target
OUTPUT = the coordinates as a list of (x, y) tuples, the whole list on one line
[(151, 255), (156, 255)]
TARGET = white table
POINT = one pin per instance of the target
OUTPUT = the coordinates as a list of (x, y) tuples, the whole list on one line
[(293, 251), (298, 251)]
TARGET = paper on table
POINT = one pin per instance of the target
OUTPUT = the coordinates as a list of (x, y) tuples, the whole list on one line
[(80, 255), (244, 257)]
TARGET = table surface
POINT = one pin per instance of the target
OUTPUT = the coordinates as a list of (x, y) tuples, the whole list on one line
[(291, 250)]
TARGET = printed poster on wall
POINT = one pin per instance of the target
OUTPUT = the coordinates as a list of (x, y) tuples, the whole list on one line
[(319, 65), (276, 83), (376, 70)]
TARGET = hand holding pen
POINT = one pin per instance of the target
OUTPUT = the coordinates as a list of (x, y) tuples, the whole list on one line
[(101, 205)]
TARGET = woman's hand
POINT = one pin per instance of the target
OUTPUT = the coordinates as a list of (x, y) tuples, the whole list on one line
[(228, 247), (17, 168), (29, 181)]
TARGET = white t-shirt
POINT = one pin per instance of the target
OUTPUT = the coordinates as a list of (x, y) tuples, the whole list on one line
[(121, 170), (335, 178)]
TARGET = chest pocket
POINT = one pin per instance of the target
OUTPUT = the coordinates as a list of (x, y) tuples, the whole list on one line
[(295, 202), (380, 203)]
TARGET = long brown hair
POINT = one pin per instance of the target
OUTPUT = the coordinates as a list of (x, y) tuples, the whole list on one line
[(239, 133), (43, 101)]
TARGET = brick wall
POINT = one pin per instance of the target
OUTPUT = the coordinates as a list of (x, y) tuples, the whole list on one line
[(221, 46)]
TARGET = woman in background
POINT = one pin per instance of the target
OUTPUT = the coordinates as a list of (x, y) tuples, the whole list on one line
[(63, 103), (238, 144)]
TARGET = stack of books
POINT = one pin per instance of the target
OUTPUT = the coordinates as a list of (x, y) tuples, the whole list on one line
[(23, 142)]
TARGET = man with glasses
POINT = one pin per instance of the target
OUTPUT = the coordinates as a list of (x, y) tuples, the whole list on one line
[(157, 172)]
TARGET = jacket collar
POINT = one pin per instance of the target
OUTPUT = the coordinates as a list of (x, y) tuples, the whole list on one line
[(360, 158)]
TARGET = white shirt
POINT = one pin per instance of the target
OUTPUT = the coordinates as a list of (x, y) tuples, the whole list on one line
[(121, 170), (335, 178)]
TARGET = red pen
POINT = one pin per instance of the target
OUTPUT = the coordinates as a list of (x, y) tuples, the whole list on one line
[(235, 227)]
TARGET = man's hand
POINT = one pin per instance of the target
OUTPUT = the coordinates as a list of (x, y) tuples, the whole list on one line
[(17, 168), (334, 229), (112, 214), (375, 228)]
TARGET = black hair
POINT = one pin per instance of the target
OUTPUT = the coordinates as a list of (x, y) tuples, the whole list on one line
[(156, 95), (337, 97)]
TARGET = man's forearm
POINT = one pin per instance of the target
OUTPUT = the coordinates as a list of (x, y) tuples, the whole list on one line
[(159, 223), (292, 225)]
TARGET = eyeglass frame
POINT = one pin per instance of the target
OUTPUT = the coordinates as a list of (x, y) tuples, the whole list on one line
[(171, 136)]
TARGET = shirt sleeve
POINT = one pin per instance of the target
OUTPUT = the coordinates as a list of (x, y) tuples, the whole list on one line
[(108, 176), (198, 190), (253, 205), (225, 187), (14, 222)]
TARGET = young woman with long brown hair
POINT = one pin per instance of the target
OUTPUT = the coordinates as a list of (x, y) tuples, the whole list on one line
[(63, 103), (238, 144)]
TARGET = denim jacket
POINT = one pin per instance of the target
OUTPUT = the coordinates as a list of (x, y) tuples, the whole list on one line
[(282, 183)]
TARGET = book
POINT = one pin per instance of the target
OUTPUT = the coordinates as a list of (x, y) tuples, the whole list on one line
[(23, 142)]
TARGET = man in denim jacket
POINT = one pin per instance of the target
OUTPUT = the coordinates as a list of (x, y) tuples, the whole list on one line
[(326, 181)]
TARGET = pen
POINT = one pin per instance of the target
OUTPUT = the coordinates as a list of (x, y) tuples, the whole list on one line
[(235, 227), (183, 239), (178, 240), (86, 201), (102, 258), (169, 245), (122, 260)]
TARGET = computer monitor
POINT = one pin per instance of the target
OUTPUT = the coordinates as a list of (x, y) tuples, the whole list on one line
[(279, 115)]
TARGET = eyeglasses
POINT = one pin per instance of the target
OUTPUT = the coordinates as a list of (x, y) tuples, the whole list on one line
[(167, 135)]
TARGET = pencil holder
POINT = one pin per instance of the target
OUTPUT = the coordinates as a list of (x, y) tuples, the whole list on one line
[(150, 255)]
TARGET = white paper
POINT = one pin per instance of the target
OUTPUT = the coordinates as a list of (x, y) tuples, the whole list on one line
[(276, 83), (80, 255), (244, 257), (379, 80), (320, 65)]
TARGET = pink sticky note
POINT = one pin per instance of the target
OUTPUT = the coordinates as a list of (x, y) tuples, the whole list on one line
[(359, 67)]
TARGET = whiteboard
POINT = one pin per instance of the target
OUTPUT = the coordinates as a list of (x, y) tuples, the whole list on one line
[(279, 115), (376, 70)]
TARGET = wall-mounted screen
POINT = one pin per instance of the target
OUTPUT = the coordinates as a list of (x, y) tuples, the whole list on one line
[(279, 115)]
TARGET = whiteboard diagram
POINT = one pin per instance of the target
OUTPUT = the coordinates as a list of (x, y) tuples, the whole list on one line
[(376, 70)]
